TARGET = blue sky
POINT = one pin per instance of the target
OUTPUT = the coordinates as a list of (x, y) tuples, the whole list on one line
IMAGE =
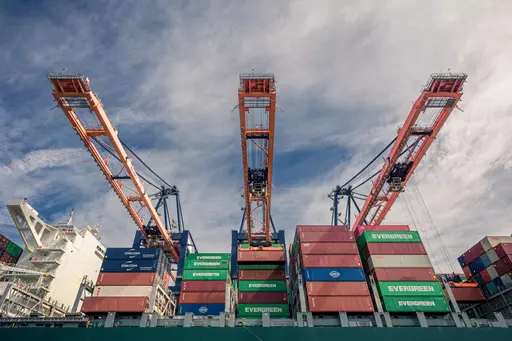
[(167, 72)]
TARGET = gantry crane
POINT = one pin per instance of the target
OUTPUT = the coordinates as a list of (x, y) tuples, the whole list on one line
[(429, 112), (72, 92), (257, 105)]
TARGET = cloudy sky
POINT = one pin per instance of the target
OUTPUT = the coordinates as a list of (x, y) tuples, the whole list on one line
[(347, 73)]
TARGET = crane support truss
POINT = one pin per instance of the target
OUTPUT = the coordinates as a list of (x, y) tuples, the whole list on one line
[(428, 114), (72, 92), (257, 105)]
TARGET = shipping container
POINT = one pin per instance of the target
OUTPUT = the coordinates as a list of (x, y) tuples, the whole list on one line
[(207, 264), (126, 278), (418, 289), (261, 256), (491, 288), (262, 297), (491, 254), (327, 304), (485, 260), (337, 289), (477, 264), (262, 275), (132, 253), (467, 294), (491, 270), (256, 310), (348, 248), (205, 275), (117, 304), (260, 266), (136, 265), (261, 286), (503, 249), (334, 274), (370, 228), (320, 228), (499, 284), (461, 261), (203, 286), (329, 237), (398, 261), (123, 291), (507, 280), (415, 304), (331, 261), (479, 279), (388, 237), (490, 242), (187, 297), (201, 309), (209, 256), (485, 275), (503, 265), (473, 253), (467, 272), (393, 249)]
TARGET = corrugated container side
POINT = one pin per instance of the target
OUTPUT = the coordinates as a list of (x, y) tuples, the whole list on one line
[(398, 261), (264, 275), (329, 237), (135, 265), (468, 294), (491, 241), (262, 286), (337, 289), (412, 304), (256, 310), (203, 286), (503, 249), (261, 256), (394, 249), (260, 266), (349, 248), (201, 309), (205, 275), (491, 288), (499, 284), (126, 278), (207, 264), (479, 279), (209, 256), (325, 304), (491, 254), (461, 261), (132, 253), (485, 260), (467, 272), (404, 274), (485, 276), (320, 228), (123, 291), (410, 289), (492, 273), (262, 297), (117, 304), (364, 228), (504, 265), (473, 253), (507, 280), (331, 261), (334, 274), (388, 237), (187, 297), (477, 264)]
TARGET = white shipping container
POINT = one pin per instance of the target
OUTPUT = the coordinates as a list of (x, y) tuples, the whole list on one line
[(492, 272), (491, 241), (398, 261), (493, 257), (123, 291), (507, 280)]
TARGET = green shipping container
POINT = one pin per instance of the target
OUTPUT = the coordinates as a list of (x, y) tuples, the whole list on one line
[(415, 303), (410, 289), (261, 266), (245, 246), (256, 310), (209, 256), (205, 275), (207, 264), (388, 237), (261, 285)]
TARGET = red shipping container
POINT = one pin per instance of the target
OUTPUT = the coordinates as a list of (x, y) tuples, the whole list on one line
[(327, 237), (3, 244), (485, 276), (331, 261), (117, 304), (504, 265), (262, 275), (473, 253), (202, 286), (404, 274), (262, 297), (363, 228), (325, 304), (260, 256), (503, 249), (467, 294), (4, 257), (126, 278), (337, 289), (467, 272), (187, 297), (348, 248), (394, 249), (320, 228)]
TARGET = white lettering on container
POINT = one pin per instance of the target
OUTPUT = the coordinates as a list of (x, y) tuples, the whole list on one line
[(210, 257), (392, 236), (417, 303), (267, 285), (411, 288), (197, 274), (207, 263), (264, 310)]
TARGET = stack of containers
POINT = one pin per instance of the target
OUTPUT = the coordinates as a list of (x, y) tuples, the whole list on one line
[(331, 268), (9, 252), (203, 290), (489, 263), (262, 283), (127, 279), (398, 261)]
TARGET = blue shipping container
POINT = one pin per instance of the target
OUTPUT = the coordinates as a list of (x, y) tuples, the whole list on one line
[(478, 265), (461, 261), (491, 288), (135, 265), (485, 260), (201, 309), (132, 253), (139, 241), (334, 274)]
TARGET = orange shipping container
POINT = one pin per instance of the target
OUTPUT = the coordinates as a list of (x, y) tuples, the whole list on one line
[(331, 261), (203, 297), (326, 304), (337, 289), (260, 256), (117, 304), (125, 278), (347, 248)]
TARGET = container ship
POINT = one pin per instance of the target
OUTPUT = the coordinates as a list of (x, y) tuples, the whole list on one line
[(331, 281)]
